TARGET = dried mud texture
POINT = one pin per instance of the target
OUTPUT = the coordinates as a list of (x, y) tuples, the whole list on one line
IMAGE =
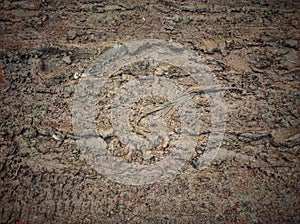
[(250, 45)]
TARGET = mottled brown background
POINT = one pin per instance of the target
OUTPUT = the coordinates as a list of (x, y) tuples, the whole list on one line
[(252, 45)]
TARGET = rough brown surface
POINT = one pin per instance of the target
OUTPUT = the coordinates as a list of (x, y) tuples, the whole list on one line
[(250, 45)]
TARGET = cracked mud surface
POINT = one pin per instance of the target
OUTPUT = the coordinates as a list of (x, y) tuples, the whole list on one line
[(250, 46)]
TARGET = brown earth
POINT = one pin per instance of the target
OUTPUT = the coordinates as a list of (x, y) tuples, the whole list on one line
[(250, 45)]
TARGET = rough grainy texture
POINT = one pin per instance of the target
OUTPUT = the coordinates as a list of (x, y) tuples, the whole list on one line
[(250, 45)]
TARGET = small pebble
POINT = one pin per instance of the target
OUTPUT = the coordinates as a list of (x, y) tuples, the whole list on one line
[(194, 165), (126, 198), (76, 75), (67, 59), (71, 35), (80, 32), (56, 137)]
